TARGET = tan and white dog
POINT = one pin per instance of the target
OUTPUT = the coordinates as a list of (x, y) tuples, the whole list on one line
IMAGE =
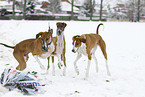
[(86, 44), (38, 47), (58, 48)]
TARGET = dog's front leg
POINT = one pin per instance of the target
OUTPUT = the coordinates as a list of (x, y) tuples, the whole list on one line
[(59, 61), (53, 66), (64, 62), (75, 66), (41, 66), (87, 70)]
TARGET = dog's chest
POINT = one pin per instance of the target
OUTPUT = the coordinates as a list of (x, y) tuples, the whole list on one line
[(50, 50), (82, 49), (60, 45)]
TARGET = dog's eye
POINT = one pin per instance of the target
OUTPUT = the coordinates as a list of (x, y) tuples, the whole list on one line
[(77, 43), (47, 39)]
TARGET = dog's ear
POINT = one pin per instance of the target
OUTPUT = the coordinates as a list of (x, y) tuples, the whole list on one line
[(51, 31), (60, 23), (77, 36), (57, 23), (39, 35), (82, 40), (74, 37), (64, 24)]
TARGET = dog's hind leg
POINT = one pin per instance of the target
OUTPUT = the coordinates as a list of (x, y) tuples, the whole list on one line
[(94, 57), (108, 72), (20, 58), (26, 57), (18, 67), (103, 48)]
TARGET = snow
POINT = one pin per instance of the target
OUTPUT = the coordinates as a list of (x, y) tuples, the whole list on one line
[(126, 53), (3, 3)]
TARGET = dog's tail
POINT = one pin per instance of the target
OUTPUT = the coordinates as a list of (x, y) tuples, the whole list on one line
[(97, 31), (7, 45)]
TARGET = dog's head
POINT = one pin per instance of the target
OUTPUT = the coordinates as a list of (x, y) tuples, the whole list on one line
[(45, 38), (60, 27), (77, 42)]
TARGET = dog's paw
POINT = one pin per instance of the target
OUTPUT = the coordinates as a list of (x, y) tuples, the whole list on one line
[(64, 74), (86, 78), (77, 71), (108, 73), (53, 73)]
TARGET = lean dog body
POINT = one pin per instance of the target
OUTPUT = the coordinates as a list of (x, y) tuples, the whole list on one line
[(86, 44), (38, 47), (59, 44)]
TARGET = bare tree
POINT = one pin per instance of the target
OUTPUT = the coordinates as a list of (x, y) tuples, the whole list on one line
[(72, 15), (101, 7), (135, 8), (91, 10), (55, 6), (139, 10), (24, 9), (13, 8), (88, 8)]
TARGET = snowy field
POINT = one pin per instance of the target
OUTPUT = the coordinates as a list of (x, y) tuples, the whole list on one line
[(126, 58)]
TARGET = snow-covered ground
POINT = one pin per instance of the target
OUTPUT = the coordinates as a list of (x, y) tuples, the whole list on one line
[(126, 59)]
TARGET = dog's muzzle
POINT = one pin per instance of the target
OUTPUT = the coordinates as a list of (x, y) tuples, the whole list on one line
[(44, 47), (59, 31), (74, 50)]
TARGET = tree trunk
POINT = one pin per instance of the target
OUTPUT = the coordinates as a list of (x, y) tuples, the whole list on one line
[(101, 6), (72, 14), (138, 10), (24, 9), (91, 11), (13, 8)]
